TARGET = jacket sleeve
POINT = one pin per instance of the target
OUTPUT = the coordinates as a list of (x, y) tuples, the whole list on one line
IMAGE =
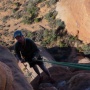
[(17, 51)]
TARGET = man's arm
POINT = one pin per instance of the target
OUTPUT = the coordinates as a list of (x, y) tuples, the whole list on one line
[(17, 52), (18, 56)]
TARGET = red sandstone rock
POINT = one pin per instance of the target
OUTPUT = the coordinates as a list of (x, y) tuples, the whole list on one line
[(76, 15)]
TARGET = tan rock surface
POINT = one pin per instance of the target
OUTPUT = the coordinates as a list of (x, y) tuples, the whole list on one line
[(76, 15)]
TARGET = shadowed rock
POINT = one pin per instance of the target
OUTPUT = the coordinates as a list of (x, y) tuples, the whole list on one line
[(11, 77), (80, 81)]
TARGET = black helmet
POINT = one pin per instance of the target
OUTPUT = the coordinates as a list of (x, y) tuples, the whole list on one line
[(17, 33)]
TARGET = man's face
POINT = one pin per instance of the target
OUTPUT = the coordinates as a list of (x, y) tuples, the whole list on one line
[(20, 39)]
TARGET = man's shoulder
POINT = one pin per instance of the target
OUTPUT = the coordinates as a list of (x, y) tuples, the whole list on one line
[(16, 44), (28, 40)]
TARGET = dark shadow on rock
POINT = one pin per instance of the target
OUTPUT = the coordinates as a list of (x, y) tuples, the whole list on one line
[(60, 53)]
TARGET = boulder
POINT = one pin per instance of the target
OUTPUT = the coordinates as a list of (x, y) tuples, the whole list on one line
[(11, 76), (80, 81)]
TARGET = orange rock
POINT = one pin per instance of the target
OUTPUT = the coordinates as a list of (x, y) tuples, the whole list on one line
[(76, 15)]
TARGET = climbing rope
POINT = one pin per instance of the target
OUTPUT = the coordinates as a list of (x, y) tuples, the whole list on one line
[(74, 65)]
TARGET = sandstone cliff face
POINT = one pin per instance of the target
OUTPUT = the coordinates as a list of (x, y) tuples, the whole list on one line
[(11, 77), (76, 15)]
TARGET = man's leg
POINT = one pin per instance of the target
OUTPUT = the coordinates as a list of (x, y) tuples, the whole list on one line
[(47, 72), (36, 70), (45, 69)]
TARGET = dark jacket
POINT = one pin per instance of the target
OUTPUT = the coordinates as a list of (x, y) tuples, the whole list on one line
[(27, 51)]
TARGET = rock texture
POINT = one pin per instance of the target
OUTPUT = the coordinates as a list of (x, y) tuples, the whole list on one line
[(6, 78), (83, 80), (76, 15), (11, 77), (66, 78)]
